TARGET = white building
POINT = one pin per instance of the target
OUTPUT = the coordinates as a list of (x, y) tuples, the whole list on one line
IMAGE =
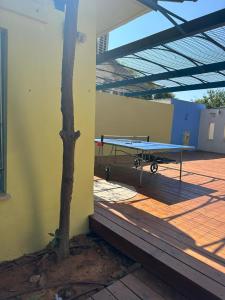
[(212, 130), (102, 43)]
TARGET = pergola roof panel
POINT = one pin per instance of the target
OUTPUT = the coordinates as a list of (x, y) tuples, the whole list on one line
[(200, 49), (212, 77), (168, 83), (191, 60), (218, 35)]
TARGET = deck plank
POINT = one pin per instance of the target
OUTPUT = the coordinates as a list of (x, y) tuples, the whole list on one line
[(157, 285), (160, 229), (103, 295), (143, 291), (130, 244), (122, 292), (182, 220), (215, 271), (140, 285)]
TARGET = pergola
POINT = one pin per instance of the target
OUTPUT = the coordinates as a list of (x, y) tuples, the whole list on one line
[(188, 56)]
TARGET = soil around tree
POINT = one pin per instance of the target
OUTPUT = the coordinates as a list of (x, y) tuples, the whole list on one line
[(92, 265)]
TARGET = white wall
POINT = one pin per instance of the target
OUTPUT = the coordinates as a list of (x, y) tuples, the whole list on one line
[(217, 144)]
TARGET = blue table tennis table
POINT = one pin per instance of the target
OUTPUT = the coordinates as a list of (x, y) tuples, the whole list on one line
[(142, 150)]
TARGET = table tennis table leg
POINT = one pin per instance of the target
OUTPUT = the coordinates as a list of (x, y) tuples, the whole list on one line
[(181, 164), (141, 172), (115, 155), (102, 153)]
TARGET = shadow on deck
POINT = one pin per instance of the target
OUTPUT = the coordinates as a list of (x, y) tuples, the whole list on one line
[(176, 230)]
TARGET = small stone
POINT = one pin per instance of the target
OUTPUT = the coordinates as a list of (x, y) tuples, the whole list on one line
[(66, 293), (42, 281), (75, 251), (124, 268), (35, 278), (107, 250), (104, 257), (134, 267), (118, 274), (99, 251)]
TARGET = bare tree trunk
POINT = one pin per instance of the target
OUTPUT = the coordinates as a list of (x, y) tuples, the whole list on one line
[(68, 135)]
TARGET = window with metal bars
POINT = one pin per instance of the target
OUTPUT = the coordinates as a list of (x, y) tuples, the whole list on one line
[(3, 52)]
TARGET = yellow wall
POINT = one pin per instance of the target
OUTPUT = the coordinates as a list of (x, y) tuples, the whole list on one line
[(34, 155), (117, 115)]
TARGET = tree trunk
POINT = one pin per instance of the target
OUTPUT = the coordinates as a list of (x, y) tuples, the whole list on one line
[(68, 135)]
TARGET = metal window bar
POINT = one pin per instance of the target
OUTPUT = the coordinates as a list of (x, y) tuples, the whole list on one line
[(3, 40)]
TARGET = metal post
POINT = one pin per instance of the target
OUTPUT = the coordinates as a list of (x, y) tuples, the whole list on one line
[(102, 153), (102, 145), (181, 163), (115, 154), (141, 173)]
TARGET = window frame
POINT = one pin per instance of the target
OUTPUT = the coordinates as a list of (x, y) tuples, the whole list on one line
[(3, 126)]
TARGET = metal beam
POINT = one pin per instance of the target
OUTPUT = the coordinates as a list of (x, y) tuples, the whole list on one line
[(215, 67), (199, 25), (181, 1), (165, 12), (208, 85)]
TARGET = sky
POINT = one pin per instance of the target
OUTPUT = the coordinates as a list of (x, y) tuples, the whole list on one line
[(153, 22)]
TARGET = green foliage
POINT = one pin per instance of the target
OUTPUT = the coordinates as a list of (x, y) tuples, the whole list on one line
[(213, 99), (54, 243), (147, 97), (36, 297), (164, 96)]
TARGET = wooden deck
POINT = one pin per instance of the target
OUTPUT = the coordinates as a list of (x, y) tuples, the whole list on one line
[(139, 285), (174, 229)]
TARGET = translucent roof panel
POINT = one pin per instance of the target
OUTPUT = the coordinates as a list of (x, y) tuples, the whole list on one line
[(191, 60)]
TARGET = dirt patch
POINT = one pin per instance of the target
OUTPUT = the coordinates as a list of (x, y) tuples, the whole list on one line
[(93, 264)]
